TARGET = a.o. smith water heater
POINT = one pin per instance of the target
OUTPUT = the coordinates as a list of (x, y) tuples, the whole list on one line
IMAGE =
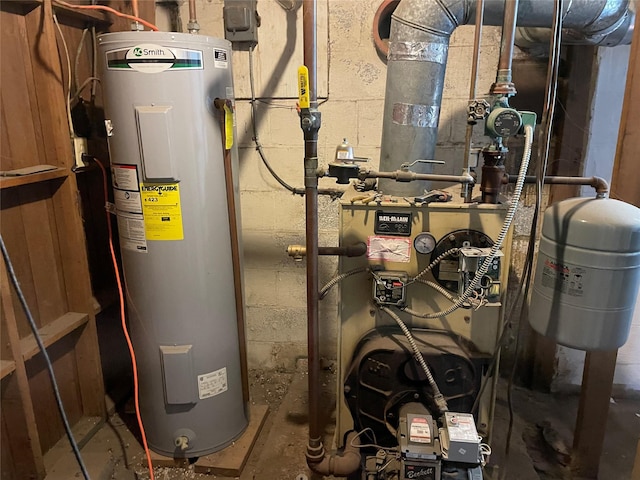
[(167, 150)]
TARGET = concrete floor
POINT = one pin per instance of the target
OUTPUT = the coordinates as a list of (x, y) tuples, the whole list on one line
[(542, 431)]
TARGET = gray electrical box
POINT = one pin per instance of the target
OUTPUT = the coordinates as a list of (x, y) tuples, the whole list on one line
[(459, 438), (241, 21)]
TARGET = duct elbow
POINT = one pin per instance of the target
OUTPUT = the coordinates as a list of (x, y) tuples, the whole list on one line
[(343, 464)]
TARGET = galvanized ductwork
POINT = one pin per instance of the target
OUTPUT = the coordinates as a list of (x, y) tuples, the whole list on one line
[(418, 48)]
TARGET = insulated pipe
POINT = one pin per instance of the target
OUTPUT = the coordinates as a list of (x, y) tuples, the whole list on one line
[(340, 465), (418, 48)]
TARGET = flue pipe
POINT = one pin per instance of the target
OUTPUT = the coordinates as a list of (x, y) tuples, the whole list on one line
[(418, 49)]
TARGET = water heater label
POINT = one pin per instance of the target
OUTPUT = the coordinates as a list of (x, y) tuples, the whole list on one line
[(152, 58), (126, 193), (220, 58), (162, 211), (212, 384)]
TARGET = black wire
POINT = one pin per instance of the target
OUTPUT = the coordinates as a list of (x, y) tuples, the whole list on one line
[(543, 159), (256, 141), (332, 192), (45, 355)]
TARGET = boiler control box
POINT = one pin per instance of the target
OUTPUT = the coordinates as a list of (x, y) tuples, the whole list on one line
[(459, 438), (390, 288)]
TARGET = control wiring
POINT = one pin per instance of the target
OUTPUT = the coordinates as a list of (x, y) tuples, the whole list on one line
[(543, 159), (338, 278), (439, 399), (468, 293), (332, 192), (135, 18), (45, 356), (123, 319)]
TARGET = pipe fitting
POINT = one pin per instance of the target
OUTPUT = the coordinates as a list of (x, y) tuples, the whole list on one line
[(341, 465)]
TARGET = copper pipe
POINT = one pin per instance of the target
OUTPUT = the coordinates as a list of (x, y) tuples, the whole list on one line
[(193, 26), (503, 84), (600, 185), (235, 253), (355, 250), (309, 26), (134, 8), (477, 40), (310, 124)]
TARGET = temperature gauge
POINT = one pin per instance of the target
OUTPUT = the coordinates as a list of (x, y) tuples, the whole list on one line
[(424, 243)]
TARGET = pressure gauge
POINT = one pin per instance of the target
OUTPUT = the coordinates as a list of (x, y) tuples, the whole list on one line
[(424, 243)]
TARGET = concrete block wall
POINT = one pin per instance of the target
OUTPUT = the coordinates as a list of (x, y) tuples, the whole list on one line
[(351, 83)]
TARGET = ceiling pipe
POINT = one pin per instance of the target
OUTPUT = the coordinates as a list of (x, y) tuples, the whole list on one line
[(418, 49)]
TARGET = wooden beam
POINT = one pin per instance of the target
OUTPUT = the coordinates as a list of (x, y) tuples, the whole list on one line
[(591, 425), (17, 407), (624, 184)]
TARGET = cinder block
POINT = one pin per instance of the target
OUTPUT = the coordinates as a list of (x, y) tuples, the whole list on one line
[(270, 324), (339, 120), (260, 287), (370, 118), (257, 210), (284, 125), (291, 288)]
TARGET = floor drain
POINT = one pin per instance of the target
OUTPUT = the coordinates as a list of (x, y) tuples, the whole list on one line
[(302, 476)]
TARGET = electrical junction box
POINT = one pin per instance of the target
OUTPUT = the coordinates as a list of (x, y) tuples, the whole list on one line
[(459, 438), (470, 261), (389, 288), (241, 21)]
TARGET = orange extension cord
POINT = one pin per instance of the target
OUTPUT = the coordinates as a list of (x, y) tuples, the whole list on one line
[(134, 17), (124, 322)]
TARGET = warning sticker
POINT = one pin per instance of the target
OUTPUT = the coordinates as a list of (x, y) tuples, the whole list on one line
[(162, 212), (220, 58), (131, 230), (212, 384), (124, 177), (127, 201), (563, 277), (419, 431), (389, 249)]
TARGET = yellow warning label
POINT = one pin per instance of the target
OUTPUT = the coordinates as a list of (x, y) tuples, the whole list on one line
[(228, 127), (161, 210)]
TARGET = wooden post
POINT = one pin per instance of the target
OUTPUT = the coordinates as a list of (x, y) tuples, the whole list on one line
[(591, 425)]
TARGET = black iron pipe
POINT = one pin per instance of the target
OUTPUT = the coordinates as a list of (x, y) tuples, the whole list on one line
[(407, 176), (600, 185)]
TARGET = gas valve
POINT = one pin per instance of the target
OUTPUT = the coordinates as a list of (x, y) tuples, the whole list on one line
[(477, 109)]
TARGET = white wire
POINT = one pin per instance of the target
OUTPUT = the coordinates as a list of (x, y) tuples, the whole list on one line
[(69, 74)]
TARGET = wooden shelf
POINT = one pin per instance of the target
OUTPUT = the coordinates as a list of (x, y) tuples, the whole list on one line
[(96, 18), (72, 16), (52, 332), (7, 367), (10, 182)]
